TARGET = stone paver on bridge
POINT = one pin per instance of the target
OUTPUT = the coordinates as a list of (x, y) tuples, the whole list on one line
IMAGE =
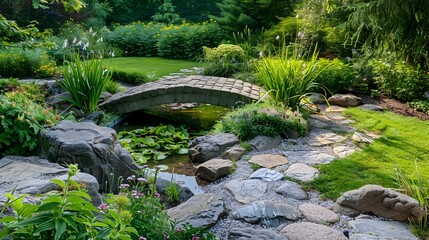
[(202, 89)]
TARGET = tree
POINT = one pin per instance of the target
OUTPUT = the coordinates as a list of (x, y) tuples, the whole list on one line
[(167, 14)]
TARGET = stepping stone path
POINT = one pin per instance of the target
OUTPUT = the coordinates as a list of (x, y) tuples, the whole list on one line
[(266, 175), (269, 160), (246, 191), (302, 172), (267, 213), (325, 139), (361, 137), (343, 151), (310, 157), (318, 214), (292, 190)]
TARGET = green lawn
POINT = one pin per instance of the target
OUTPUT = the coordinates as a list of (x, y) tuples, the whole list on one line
[(405, 142), (159, 66)]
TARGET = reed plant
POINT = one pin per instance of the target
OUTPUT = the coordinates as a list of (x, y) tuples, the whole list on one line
[(287, 76), (85, 81)]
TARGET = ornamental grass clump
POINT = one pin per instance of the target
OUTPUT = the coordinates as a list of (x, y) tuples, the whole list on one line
[(288, 79), (85, 81)]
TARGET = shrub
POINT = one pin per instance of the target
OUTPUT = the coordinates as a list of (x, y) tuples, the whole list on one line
[(222, 69), (130, 77), (186, 41), (400, 80), (21, 121), (334, 75), (112, 87), (19, 63), (420, 105), (85, 81), (224, 60), (253, 120), (136, 39)]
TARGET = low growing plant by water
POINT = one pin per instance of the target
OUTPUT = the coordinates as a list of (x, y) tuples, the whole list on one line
[(155, 143)]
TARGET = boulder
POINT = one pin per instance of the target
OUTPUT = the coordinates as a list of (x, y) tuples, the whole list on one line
[(292, 190), (234, 153), (311, 231), (207, 147), (317, 98), (267, 213), (214, 169), (266, 175), (95, 149), (31, 175), (202, 210), (254, 234), (381, 201), (375, 229), (345, 100), (318, 214), (269, 160), (246, 191), (302, 172), (371, 107), (263, 143)]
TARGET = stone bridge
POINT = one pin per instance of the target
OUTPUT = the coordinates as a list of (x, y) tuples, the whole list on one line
[(202, 89)]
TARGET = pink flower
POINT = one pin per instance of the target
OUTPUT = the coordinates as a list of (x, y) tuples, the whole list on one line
[(103, 207), (156, 194), (124, 186), (141, 179), (142, 238), (195, 238)]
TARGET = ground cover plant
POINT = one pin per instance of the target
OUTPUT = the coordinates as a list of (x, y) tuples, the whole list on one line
[(404, 142)]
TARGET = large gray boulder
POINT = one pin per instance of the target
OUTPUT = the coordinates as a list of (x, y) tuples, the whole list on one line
[(95, 149), (246, 191), (363, 229), (207, 147), (345, 100), (267, 213), (202, 210), (263, 143), (31, 175), (381, 201)]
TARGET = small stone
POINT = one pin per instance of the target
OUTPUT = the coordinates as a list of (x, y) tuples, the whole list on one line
[(202, 210), (371, 107), (335, 109), (254, 234), (292, 190), (311, 231), (266, 175), (246, 191), (376, 229), (302, 172), (234, 153), (343, 151), (263, 143), (325, 139), (214, 169), (360, 137), (318, 214), (269, 160), (345, 100), (267, 213)]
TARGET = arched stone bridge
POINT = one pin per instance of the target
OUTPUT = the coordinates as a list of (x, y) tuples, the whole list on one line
[(202, 89)]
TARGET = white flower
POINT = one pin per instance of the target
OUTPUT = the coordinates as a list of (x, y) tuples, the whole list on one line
[(85, 46), (79, 43), (100, 39), (90, 30), (300, 34), (278, 37), (113, 54), (74, 40), (66, 42), (94, 34), (261, 54)]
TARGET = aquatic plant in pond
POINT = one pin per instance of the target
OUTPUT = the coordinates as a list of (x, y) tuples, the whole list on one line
[(155, 143)]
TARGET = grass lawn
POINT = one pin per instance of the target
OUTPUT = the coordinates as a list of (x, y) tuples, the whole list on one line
[(159, 66), (405, 142)]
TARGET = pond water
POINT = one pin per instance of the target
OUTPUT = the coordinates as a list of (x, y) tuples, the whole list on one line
[(197, 119)]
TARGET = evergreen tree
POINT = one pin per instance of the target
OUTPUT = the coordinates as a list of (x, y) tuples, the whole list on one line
[(167, 14)]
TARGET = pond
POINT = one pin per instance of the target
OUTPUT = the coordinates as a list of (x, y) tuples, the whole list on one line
[(198, 119)]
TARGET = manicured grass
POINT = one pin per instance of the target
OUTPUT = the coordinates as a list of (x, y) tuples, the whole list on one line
[(159, 66), (405, 142)]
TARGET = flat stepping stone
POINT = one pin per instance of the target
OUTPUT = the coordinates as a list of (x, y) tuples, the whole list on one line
[(318, 214), (292, 190), (362, 138), (335, 109), (376, 229), (254, 234), (302, 172), (234, 153), (317, 123), (263, 143), (267, 213), (214, 169), (343, 151), (269, 160), (266, 175), (246, 191), (311, 231), (371, 107), (202, 210), (325, 139), (309, 157)]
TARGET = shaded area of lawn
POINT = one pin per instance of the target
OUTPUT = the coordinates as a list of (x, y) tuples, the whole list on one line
[(405, 142), (158, 66)]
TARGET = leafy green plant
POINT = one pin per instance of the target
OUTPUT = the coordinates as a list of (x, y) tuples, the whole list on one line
[(154, 143), (253, 120), (21, 120), (420, 105), (172, 191), (417, 188), (85, 81), (334, 76), (65, 215), (130, 77), (112, 87), (288, 80), (222, 69)]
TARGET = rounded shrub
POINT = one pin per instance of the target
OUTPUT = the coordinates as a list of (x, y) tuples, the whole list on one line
[(334, 76)]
